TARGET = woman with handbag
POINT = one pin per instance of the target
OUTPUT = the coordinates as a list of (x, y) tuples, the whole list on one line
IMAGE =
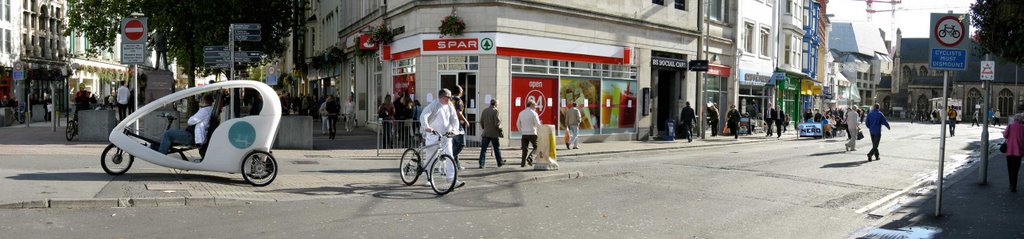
[(853, 128), (1014, 135)]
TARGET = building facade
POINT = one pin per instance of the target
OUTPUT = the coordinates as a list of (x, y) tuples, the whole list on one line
[(624, 63)]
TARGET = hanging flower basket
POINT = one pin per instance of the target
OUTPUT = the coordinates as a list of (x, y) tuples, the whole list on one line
[(381, 35), (452, 25)]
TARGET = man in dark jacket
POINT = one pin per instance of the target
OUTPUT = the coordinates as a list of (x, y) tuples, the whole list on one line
[(687, 116), (733, 121), (491, 124), (770, 116)]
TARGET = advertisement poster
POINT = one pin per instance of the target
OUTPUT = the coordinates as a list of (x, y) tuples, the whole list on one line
[(586, 94), (538, 89), (618, 106), (405, 83)]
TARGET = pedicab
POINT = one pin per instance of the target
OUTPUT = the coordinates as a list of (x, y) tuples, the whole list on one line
[(239, 145)]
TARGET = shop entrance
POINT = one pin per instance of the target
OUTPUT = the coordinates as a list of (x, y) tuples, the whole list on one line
[(669, 84), (467, 80)]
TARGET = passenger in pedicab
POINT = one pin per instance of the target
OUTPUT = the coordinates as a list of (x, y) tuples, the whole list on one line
[(196, 132)]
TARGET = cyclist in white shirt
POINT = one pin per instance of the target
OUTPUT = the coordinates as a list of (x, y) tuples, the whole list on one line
[(440, 116)]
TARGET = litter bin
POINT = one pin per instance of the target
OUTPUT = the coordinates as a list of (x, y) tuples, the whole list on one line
[(670, 127)]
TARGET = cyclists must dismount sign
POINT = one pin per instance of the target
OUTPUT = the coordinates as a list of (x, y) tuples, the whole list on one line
[(947, 41)]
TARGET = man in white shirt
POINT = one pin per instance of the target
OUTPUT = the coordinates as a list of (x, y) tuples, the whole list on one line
[(440, 116), (349, 114), (201, 120), (122, 100), (527, 124)]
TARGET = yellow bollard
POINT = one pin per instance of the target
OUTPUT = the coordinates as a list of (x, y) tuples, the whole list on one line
[(546, 149)]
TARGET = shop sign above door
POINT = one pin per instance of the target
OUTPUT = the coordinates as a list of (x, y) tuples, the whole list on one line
[(484, 44), (669, 62)]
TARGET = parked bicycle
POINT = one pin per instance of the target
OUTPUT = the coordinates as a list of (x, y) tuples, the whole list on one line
[(443, 171), (72, 128), (20, 113)]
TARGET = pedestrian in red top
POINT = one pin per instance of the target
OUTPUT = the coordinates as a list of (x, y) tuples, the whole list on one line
[(1014, 135)]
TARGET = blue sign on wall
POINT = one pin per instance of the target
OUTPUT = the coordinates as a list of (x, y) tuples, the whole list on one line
[(948, 59)]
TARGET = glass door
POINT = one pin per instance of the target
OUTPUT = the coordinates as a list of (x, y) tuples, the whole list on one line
[(466, 80)]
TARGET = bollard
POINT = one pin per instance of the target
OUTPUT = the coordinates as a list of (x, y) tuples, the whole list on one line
[(546, 149)]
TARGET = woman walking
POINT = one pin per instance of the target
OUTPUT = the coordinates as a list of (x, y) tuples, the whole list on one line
[(852, 128), (1014, 135)]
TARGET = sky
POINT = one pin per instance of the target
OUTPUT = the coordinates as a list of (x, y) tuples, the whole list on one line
[(912, 20)]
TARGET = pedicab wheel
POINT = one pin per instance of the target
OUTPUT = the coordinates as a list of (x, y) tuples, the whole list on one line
[(444, 174), (410, 168), (259, 168), (120, 161)]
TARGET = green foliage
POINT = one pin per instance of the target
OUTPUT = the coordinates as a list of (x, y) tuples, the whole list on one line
[(1000, 28), (188, 24)]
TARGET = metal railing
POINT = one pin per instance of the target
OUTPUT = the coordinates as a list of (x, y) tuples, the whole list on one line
[(394, 136)]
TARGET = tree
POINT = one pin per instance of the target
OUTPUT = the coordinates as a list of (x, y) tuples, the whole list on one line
[(1000, 31), (188, 25)]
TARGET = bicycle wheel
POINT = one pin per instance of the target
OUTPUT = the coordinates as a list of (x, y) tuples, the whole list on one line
[(71, 130), (410, 167), (118, 164), (443, 175)]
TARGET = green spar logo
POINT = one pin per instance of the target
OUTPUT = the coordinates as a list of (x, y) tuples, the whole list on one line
[(487, 44)]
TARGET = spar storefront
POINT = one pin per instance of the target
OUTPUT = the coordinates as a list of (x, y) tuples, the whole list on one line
[(515, 69)]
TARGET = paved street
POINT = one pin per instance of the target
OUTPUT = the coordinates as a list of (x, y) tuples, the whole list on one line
[(786, 188)]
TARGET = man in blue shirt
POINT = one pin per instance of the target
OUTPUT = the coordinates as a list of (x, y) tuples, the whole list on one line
[(875, 120)]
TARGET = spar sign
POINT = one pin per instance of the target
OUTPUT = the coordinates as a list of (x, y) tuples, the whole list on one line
[(476, 44), (948, 42)]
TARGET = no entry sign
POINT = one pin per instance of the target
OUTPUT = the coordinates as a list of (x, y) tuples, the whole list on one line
[(133, 40), (133, 30)]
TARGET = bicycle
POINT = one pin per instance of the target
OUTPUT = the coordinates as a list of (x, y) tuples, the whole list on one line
[(72, 128), (949, 29), (20, 113), (441, 167)]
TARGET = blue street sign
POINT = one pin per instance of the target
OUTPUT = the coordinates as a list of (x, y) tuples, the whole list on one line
[(948, 59)]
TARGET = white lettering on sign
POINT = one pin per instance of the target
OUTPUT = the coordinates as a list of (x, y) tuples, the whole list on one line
[(536, 84), (456, 45)]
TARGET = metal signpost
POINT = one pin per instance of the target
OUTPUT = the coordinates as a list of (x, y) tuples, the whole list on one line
[(948, 53), (988, 70), (227, 56), (134, 33)]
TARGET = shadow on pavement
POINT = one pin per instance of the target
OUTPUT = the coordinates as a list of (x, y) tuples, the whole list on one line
[(345, 171), (845, 165), (826, 153), (969, 210)]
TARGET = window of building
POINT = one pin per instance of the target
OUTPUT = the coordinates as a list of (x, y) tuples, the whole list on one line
[(924, 71), (717, 10), (796, 50), (681, 4), (789, 7), (765, 39), (659, 2), (1005, 102), (748, 37), (7, 40), (789, 48), (7, 10), (458, 63)]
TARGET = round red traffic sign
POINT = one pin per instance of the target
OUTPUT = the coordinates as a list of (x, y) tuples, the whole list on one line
[(134, 30), (949, 31)]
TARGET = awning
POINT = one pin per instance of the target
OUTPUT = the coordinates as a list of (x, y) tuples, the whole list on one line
[(808, 87), (841, 80)]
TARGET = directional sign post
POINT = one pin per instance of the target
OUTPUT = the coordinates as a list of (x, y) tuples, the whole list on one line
[(948, 53)]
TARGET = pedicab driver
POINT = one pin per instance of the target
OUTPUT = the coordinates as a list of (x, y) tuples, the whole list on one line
[(201, 121), (440, 116)]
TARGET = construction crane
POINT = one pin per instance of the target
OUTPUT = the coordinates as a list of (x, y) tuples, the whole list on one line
[(871, 10)]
